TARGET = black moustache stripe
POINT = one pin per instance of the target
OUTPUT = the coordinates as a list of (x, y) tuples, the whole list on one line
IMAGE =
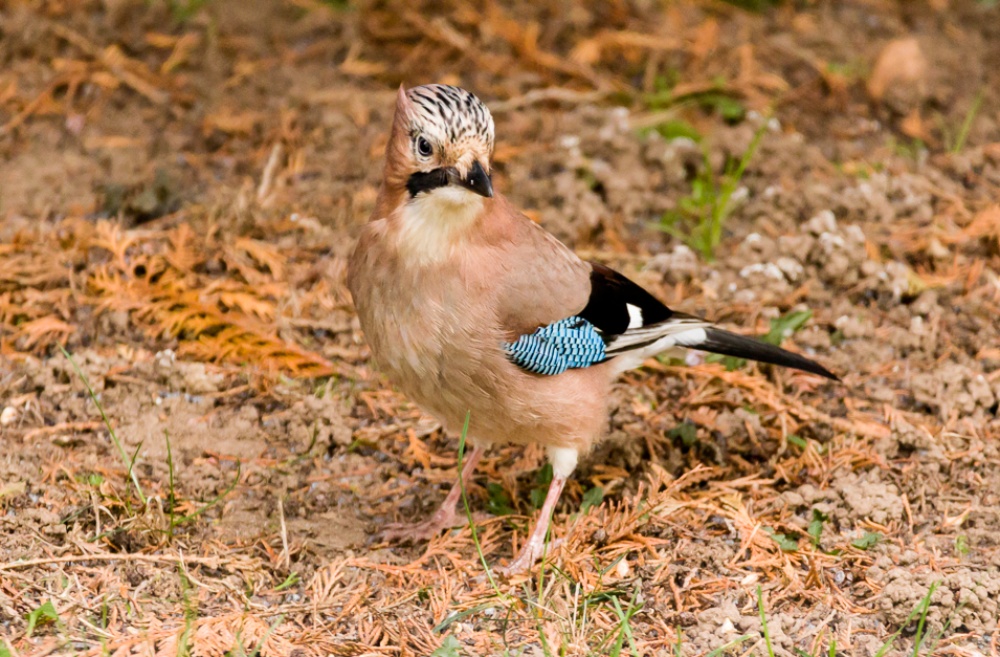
[(425, 181)]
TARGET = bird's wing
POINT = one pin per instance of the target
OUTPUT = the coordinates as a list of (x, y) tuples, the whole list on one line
[(636, 325), (566, 313), (541, 280)]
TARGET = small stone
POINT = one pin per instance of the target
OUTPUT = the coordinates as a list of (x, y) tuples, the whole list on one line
[(937, 250), (791, 268), (899, 76), (165, 359), (823, 222), (55, 530), (8, 416)]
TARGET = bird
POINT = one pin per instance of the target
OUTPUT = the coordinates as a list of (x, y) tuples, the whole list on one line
[(480, 316)]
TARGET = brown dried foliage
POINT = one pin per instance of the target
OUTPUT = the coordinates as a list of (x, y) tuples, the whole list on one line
[(220, 301)]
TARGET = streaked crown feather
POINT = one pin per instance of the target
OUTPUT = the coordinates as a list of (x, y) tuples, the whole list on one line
[(451, 116)]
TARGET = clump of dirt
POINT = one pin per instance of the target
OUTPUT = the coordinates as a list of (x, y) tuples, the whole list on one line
[(957, 388), (961, 601)]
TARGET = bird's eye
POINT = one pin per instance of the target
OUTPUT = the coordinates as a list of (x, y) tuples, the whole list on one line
[(424, 147)]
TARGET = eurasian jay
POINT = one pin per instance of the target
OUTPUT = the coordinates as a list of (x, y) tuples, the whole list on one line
[(472, 308)]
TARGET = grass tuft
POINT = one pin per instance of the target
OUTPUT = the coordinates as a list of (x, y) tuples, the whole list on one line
[(958, 144), (129, 462), (919, 611), (449, 648), (763, 622), (701, 216), (724, 649), (625, 625), (468, 510), (44, 614)]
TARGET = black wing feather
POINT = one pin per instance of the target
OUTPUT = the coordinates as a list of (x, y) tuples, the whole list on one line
[(610, 296)]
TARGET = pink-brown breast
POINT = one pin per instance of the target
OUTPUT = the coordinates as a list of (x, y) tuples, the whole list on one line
[(436, 329)]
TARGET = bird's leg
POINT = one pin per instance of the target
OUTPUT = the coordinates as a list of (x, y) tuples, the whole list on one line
[(445, 517), (563, 461), (534, 548)]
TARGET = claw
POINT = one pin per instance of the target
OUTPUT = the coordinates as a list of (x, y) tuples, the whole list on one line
[(404, 532), (446, 517), (529, 554)]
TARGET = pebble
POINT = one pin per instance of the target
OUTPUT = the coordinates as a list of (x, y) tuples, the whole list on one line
[(8, 416)]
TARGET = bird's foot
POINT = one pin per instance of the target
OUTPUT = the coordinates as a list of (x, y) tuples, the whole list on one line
[(405, 532), (531, 552)]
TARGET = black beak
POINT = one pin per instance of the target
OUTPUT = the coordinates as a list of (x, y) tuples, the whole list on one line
[(477, 181)]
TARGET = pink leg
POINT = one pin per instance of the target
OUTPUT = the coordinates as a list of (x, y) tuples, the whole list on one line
[(534, 548), (445, 517)]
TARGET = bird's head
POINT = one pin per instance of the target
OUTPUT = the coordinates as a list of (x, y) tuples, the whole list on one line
[(440, 146)]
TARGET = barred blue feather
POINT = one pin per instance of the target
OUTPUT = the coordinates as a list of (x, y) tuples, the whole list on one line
[(569, 343)]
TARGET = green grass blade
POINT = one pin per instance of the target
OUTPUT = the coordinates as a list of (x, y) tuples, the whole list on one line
[(918, 639), (763, 622), (721, 650), (920, 609), (218, 498), (454, 618), (731, 181), (970, 116), (171, 496), (465, 503), (267, 635)]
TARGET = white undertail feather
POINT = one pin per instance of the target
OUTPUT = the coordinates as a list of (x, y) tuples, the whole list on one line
[(563, 460), (432, 219)]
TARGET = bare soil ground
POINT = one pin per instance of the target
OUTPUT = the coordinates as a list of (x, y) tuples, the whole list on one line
[(180, 184)]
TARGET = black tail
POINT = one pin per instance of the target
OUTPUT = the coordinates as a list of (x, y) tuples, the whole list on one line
[(722, 342)]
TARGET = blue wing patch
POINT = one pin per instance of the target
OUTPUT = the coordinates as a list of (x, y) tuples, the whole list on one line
[(569, 343)]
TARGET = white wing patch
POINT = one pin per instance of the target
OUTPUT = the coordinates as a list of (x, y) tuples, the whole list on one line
[(634, 316)]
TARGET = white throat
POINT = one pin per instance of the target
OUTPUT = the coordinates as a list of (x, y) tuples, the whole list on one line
[(432, 222)]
